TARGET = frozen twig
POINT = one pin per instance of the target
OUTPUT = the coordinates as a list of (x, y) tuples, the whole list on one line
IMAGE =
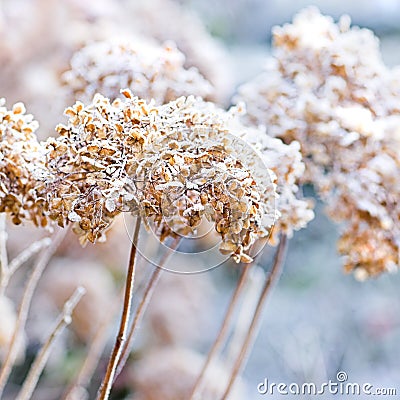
[(252, 332), (105, 388), (30, 287), (149, 290), (219, 341), (38, 365), (252, 291), (24, 256), (4, 269), (78, 390)]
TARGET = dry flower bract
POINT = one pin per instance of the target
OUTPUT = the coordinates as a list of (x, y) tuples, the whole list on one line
[(327, 88)]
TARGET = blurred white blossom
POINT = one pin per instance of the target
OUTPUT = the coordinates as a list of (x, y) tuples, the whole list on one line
[(149, 70)]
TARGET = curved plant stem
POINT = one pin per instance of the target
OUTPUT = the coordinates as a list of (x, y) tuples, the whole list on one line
[(248, 303), (38, 365), (106, 385), (4, 270), (148, 294), (249, 340), (29, 290), (26, 254), (219, 341), (78, 389)]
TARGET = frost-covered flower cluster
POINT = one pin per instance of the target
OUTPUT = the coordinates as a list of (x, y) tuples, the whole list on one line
[(171, 164), (327, 88), (150, 70), (22, 165), (91, 160), (262, 152)]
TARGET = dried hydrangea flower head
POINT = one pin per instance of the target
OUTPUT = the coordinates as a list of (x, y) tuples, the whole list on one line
[(199, 168), (172, 164), (327, 88), (151, 71), (89, 160), (169, 373), (285, 161), (22, 166), (366, 196)]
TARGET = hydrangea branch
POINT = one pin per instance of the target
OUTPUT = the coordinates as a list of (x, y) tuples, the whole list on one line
[(222, 333), (65, 318), (25, 255), (106, 385), (4, 268), (78, 389), (252, 332), (171, 165), (144, 302), (253, 290), (24, 307)]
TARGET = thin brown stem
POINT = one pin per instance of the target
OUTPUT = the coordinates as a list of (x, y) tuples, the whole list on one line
[(148, 294), (252, 332), (105, 388), (78, 389), (24, 307), (38, 365), (254, 286), (4, 270), (219, 341)]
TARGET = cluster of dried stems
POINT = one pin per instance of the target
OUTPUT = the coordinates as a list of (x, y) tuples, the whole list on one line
[(175, 161)]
